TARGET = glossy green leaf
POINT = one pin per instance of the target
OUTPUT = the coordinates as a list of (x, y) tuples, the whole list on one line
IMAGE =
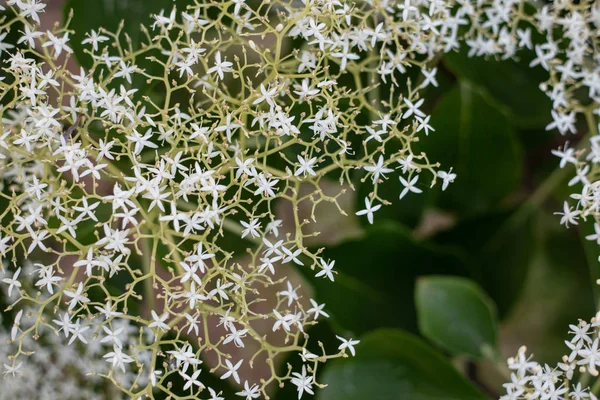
[(457, 315), (376, 274), (511, 85), (393, 365), (478, 141)]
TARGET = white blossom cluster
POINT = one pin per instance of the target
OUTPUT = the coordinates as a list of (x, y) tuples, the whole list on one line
[(50, 359), (124, 181), (118, 200), (571, 56), (573, 60), (567, 380)]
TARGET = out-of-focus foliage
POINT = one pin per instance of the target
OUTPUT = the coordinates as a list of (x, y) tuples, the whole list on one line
[(457, 315), (394, 365)]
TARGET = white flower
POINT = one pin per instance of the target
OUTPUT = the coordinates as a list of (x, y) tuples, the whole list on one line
[(292, 256), (569, 216), (290, 293), (76, 296), (117, 358), (348, 344), (567, 155), (250, 228), (29, 36), (232, 370), (317, 309), (220, 67), (236, 336), (326, 270), (36, 241), (369, 210), (213, 395), (94, 39), (141, 141), (304, 90), (12, 370), (249, 392), (378, 169), (429, 77), (191, 380), (345, 55), (265, 185), (590, 357), (447, 177), (13, 282), (413, 109), (159, 321), (266, 95), (59, 44), (409, 186), (306, 166), (303, 382)]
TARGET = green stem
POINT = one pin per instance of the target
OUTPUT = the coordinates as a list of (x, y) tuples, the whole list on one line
[(596, 388)]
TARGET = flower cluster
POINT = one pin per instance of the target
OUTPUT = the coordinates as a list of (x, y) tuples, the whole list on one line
[(125, 183), (573, 62), (52, 366), (530, 380)]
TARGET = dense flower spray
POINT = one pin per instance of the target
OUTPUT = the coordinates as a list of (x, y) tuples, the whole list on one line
[(125, 182)]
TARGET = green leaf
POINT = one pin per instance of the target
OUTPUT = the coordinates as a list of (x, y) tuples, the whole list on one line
[(498, 247), (512, 85), (374, 286), (391, 365), (457, 315), (478, 141)]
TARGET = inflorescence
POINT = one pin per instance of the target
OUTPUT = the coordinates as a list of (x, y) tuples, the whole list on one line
[(125, 182)]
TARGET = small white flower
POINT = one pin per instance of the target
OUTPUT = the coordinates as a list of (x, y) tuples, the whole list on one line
[(159, 321), (220, 67), (368, 211), (348, 344), (409, 186), (326, 270), (232, 370), (447, 177)]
